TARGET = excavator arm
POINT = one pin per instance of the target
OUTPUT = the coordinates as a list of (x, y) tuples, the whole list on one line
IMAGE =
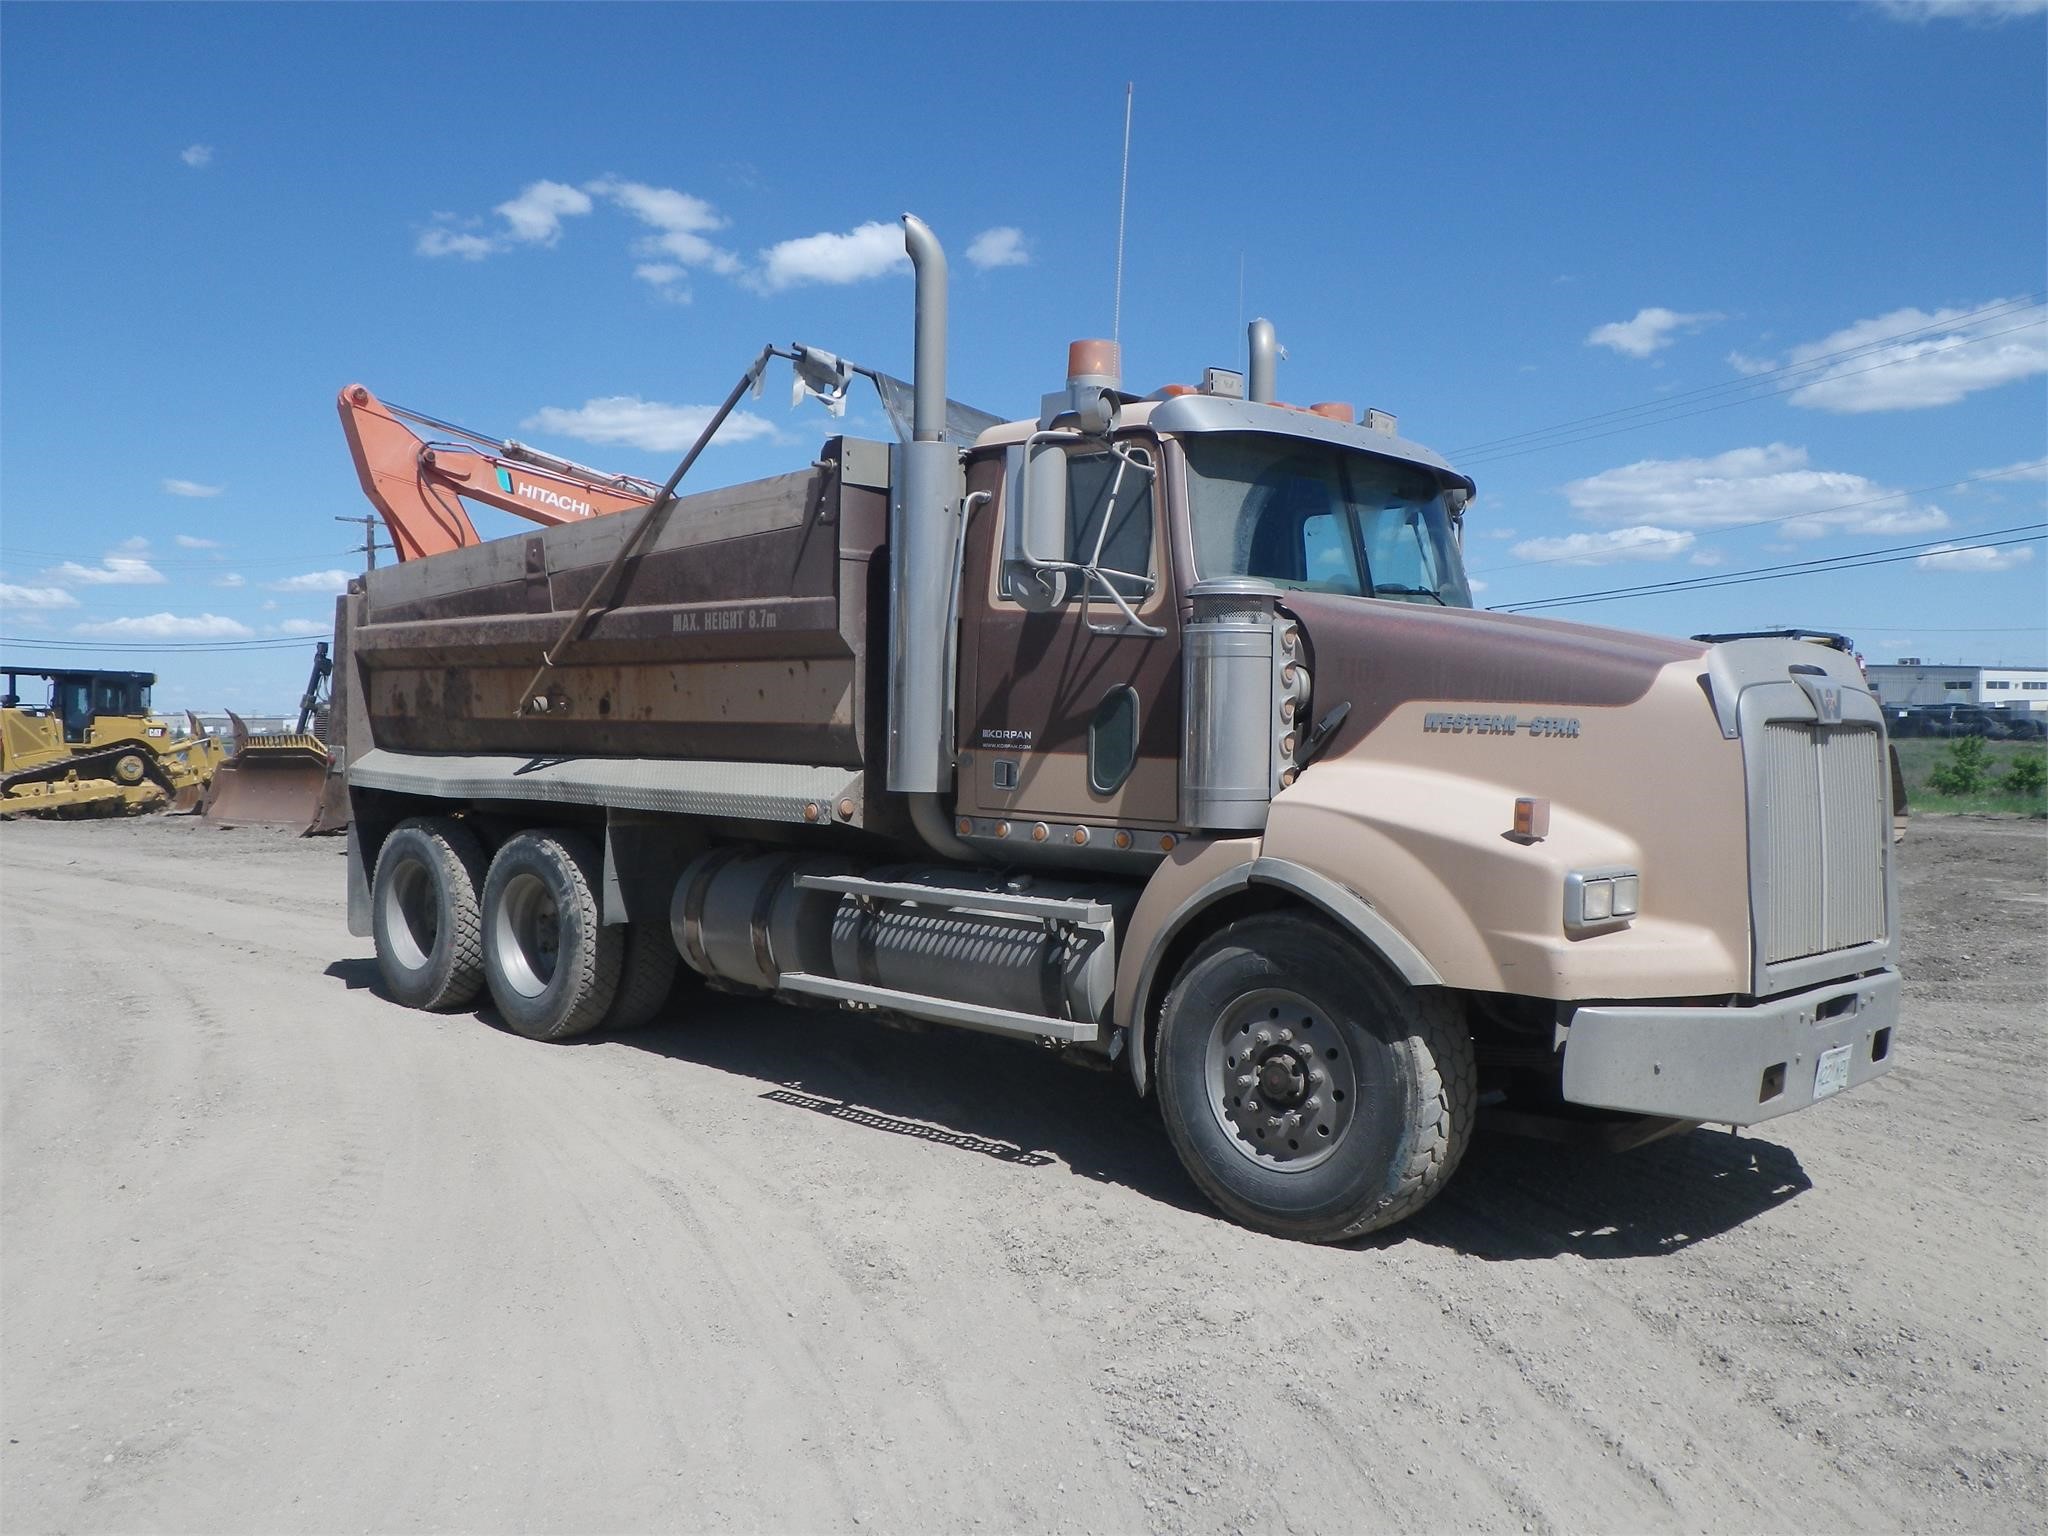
[(419, 484)]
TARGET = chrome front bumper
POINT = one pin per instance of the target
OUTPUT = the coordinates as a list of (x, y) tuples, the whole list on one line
[(1733, 1066)]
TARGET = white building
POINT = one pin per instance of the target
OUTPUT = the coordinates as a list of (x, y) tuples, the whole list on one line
[(1912, 681)]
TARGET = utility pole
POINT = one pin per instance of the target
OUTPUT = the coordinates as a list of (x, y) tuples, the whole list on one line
[(369, 546)]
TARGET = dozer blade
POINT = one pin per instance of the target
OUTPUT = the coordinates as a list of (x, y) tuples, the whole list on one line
[(274, 781), (332, 814)]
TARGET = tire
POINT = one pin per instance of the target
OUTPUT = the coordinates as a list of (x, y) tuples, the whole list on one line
[(425, 913), (646, 974), (549, 960), (1366, 1107)]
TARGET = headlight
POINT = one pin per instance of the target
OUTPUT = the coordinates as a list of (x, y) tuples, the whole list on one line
[(1596, 897)]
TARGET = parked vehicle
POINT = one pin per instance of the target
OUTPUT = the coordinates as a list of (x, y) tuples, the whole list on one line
[(1155, 730), (1947, 721)]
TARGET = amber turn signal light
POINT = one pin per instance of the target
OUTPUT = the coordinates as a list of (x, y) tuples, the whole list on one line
[(1532, 818)]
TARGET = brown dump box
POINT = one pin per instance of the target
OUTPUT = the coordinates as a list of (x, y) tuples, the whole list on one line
[(740, 633)]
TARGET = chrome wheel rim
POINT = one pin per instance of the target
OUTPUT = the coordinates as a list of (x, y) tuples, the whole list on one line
[(412, 914), (529, 935), (1282, 1079)]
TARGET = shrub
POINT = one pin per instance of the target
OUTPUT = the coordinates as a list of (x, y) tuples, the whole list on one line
[(1961, 769), (2028, 775)]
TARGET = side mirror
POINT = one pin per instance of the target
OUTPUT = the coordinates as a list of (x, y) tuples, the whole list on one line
[(1035, 526)]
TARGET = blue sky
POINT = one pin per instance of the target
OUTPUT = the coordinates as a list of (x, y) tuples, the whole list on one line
[(575, 225)]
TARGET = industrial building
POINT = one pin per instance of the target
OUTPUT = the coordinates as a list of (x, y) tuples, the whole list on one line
[(1912, 681)]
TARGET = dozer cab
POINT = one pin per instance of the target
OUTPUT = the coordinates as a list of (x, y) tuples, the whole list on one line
[(94, 748)]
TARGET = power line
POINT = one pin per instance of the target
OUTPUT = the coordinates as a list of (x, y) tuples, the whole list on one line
[(222, 564), (1793, 517), (1816, 566), (1990, 311), (1889, 555), (1936, 629), (259, 643)]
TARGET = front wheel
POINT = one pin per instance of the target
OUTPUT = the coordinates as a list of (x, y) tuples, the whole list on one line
[(1308, 1093), (551, 963)]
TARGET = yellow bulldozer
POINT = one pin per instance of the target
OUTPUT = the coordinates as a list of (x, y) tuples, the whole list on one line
[(93, 748)]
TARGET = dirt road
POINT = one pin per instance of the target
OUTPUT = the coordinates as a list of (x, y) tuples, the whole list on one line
[(280, 1256)]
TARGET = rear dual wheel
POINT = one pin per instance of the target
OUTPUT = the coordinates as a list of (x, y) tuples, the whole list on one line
[(450, 921), (550, 962), (424, 913), (1309, 1093)]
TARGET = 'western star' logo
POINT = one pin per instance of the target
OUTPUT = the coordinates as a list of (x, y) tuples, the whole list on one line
[(544, 496), (1500, 725)]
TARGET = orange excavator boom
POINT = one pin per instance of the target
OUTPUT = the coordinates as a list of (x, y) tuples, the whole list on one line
[(419, 483)]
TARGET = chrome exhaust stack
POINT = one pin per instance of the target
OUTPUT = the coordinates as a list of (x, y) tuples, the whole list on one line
[(924, 529), (1261, 378)]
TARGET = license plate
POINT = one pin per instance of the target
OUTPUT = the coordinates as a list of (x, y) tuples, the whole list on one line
[(1832, 1075)]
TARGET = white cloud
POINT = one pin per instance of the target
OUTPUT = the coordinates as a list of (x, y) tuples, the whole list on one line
[(682, 220), (1949, 358), (116, 570), (1706, 557), (872, 250), (663, 207), (36, 597), (169, 626), (231, 579), (188, 488), (302, 627), (441, 240), (1474, 584), (1949, 558), (1747, 485), (659, 273), (198, 156), (536, 214), (1743, 363), (1500, 533), (332, 582), (1640, 543), (648, 424), (1002, 246), (1652, 330), (1990, 11), (193, 541)]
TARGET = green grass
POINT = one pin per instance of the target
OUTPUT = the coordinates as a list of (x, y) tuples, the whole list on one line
[(1917, 760)]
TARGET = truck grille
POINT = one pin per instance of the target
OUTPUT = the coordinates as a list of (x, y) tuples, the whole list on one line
[(1820, 883)]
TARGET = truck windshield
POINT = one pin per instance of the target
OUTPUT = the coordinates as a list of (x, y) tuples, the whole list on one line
[(1320, 518)]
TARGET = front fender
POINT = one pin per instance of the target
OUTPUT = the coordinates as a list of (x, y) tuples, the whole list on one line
[(1209, 873)]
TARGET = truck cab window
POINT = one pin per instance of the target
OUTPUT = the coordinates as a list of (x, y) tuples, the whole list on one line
[(1320, 518), (1127, 546)]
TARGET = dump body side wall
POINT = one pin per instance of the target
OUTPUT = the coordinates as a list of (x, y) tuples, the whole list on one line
[(741, 633)]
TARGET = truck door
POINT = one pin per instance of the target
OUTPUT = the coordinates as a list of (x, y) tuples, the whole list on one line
[(1073, 717)]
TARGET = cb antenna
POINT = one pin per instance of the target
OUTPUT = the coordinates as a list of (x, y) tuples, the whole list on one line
[(1116, 319)]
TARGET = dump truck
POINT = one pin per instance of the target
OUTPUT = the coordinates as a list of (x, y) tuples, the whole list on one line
[(1158, 731), (91, 746)]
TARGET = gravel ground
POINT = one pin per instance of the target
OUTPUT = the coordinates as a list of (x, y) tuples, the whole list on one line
[(280, 1256)]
